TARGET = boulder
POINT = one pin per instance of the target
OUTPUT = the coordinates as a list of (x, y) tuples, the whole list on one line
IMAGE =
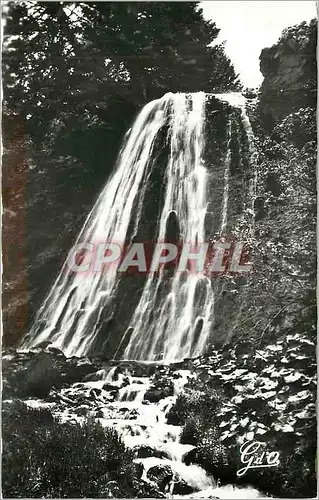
[(82, 411), (182, 488), (94, 393), (162, 388), (137, 369), (145, 451), (43, 345), (173, 417), (99, 413), (111, 490), (77, 369), (110, 387), (143, 489), (57, 353), (95, 377), (138, 470), (154, 395), (39, 376), (162, 475), (190, 457)]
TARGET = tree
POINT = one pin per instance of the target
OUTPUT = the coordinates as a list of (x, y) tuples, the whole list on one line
[(77, 55)]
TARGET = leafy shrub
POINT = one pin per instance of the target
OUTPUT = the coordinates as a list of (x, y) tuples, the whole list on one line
[(195, 403), (191, 431), (212, 453), (268, 396), (197, 410), (45, 458)]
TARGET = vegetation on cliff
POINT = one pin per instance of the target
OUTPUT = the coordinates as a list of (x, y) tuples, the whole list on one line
[(289, 68)]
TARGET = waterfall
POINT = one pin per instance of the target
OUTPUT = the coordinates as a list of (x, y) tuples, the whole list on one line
[(226, 182), (68, 311), (189, 302), (174, 316)]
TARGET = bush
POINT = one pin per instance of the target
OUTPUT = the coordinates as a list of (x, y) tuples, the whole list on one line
[(268, 396), (196, 410), (194, 402), (45, 458), (191, 431)]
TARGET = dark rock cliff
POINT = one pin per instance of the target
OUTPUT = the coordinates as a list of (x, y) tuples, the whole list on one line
[(289, 70)]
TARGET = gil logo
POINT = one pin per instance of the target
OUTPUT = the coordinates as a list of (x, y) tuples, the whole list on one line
[(254, 456)]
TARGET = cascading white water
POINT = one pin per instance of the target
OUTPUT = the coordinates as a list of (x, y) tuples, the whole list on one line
[(170, 325), (117, 399), (108, 221), (189, 304), (238, 101), (226, 182)]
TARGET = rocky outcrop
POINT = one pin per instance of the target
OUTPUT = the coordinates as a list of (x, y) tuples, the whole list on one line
[(145, 451), (35, 373), (289, 70)]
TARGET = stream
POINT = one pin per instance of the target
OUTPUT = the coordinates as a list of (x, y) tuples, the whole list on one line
[(116, 398)]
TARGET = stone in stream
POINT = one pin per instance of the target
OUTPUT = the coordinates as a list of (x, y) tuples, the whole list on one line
[(181, 487), (162, 475), (111, 490), (161, 389), (43, 345), (110, 387), (78, 368), (190, 457), (94, 377), (55, 352), (82, 410), (173, 417), (165, 478), (145, 451)]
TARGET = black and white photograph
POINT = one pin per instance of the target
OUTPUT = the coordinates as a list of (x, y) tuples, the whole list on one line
[(159, 258)]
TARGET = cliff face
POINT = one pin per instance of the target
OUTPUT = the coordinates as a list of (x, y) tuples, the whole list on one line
[(289, 70)]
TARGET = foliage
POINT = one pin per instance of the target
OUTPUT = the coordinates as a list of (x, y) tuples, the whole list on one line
[(268, 396), (193, 403), (303, 38), (197, 408), (78, 55), (45, 458), (283, 242), (290, 71)]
